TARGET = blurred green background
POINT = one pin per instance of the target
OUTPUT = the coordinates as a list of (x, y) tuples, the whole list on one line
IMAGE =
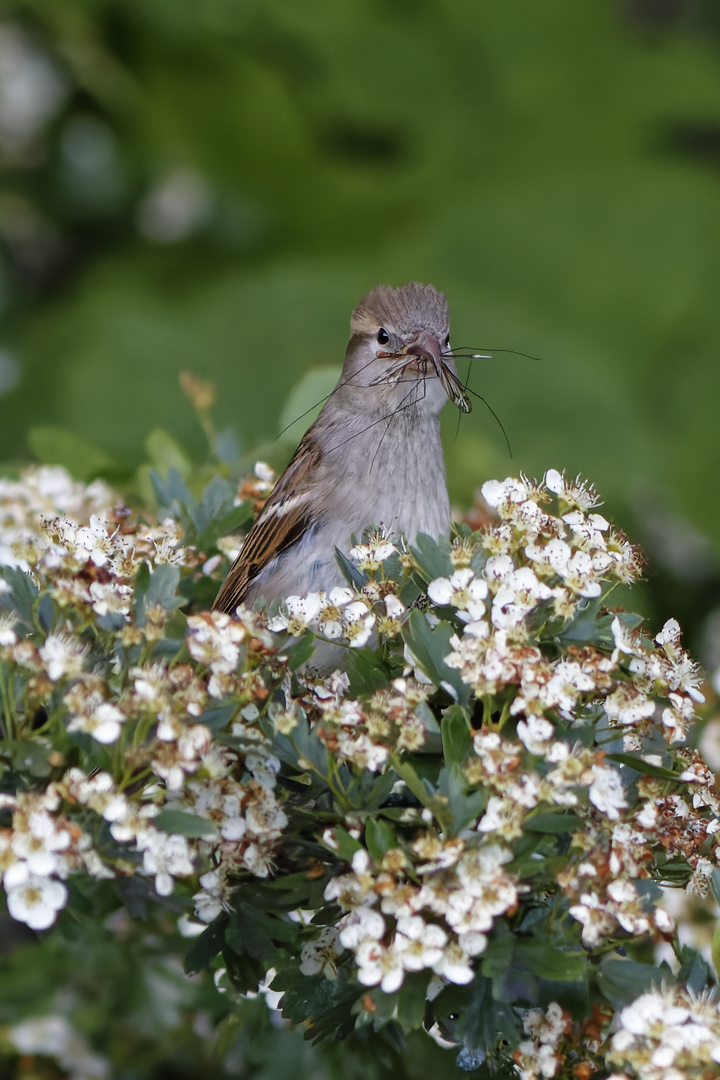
[(212, 186)]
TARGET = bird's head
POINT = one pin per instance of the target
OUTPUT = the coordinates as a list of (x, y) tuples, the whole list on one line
[(400, 345)]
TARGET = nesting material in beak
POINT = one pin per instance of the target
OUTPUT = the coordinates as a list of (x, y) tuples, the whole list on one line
[(426, 348)]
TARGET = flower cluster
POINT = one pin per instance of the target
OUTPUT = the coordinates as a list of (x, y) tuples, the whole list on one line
[(438, 924), (350, 616), (97, 662), (40, 850), (667, 1034), (480, 776)]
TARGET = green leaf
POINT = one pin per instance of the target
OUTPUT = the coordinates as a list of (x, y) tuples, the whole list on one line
[(350, 572), (22, 595), (184, 824), (588, 627), (142, 581), (347, 844), (232, 521), (429, 648), (364, 790), (456, 737), (423, 791), (463, 806), (482, 1022), (305, 400), (694, 970), (258, 931), (552, 822), (300, 651), (27, 756), (58, 446), (553, 963), (326, 1003), (366, 671), (379, 837), (172, 493), (215, 514), (432, 556), (715, 950), (309, 747), (636, 762), (621, 981), (206, 947), (166, 453), (218, 719), (715, 885), (433, 732), (411, 1001), (157, 587)]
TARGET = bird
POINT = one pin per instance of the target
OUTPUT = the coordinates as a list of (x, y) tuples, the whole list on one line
[(373, 456)]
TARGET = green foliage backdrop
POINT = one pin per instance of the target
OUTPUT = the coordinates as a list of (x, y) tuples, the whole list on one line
[(552, 167)]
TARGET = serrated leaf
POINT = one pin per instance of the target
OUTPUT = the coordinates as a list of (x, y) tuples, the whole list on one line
[(206, 947), (326, 1003), (172, 491), (46, 611), (431, 728), (694, 970), (483, 1022), (162, 587), (256, 931), (142, 581), (158, 586), (422, 789), (234, 519), (215, 514), (432, 556)]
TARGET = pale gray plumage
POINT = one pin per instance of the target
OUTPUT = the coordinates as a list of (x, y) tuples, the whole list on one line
[(373, 456)]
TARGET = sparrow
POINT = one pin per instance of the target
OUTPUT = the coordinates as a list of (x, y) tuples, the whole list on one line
[(372, 457)]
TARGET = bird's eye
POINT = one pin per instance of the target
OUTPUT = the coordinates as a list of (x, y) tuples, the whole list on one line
[(383, 336)]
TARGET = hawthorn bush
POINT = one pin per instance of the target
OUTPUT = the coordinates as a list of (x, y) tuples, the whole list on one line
[(463, 837)]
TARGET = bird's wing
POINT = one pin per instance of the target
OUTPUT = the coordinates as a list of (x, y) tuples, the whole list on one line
[(283, 521)]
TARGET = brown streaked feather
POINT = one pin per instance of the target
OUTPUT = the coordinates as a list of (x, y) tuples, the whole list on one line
[(274, 531)]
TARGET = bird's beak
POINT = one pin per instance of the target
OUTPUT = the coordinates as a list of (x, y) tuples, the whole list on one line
[(427, 347)]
